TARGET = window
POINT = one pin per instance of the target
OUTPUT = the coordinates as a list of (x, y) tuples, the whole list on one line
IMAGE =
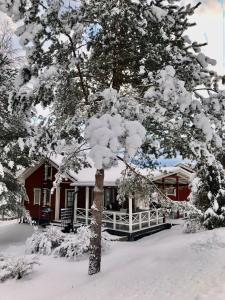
[(171, 191), (47, 197), (110, 201), (37, 196), (48, 172), (107, 197), (69, 198)]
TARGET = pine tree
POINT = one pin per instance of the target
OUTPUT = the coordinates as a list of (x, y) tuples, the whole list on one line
[(13, 130), (109, 58), (208, 193)]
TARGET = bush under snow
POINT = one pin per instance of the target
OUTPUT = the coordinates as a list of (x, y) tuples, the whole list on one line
[(192, 225), (75, 246), (44, 242), (16, 267), (71, 246)]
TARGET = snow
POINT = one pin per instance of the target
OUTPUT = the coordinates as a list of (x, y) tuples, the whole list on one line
[(108, 135), (13, 234), (167, 265), (158, 12)]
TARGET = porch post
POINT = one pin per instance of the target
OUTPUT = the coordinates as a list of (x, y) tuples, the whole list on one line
[(75, 205), (177, 188), (57, 203), (157, 217), (86, 204), (130, 215)]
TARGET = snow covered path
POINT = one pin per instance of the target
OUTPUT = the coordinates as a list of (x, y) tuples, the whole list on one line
[(167, 265)]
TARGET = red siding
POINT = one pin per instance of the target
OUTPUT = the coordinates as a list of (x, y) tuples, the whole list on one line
[(36, 180)]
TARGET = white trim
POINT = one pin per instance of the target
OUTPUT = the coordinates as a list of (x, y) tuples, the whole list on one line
[(57, 203), (92, 183), (39, 200), (86, 204), (174, 191), (130, 214), (75, 204)]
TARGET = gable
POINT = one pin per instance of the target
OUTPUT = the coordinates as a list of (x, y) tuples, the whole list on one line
[(31, 171)]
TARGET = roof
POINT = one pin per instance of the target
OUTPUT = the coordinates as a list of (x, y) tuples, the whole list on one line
[(86, 176)]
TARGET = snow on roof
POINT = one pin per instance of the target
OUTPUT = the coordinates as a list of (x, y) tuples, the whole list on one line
[(86, 176)]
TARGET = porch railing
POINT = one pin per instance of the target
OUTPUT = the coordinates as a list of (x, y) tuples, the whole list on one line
[(123, 221)]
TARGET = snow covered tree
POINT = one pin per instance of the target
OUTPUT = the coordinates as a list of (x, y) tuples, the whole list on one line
[(208, 192), (13, 129), (109, 66)]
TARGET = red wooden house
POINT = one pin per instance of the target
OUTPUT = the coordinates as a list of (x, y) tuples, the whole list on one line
[(76, 193)]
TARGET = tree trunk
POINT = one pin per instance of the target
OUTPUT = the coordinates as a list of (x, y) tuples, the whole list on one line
[(96, 224)]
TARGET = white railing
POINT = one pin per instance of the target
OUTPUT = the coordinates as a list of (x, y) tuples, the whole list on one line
[(121, 221)]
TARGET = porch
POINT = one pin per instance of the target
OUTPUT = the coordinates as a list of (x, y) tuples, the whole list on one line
[(122, 221)]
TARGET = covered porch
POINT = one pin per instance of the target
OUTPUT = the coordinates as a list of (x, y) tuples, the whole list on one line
[(127, 219)]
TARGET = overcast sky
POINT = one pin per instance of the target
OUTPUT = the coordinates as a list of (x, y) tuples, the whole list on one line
[(210, 19)]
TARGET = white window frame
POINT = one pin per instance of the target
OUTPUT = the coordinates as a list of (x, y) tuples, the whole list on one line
[(46, 172), (66, 200), (39, 198), (171, 194), (45, 202)]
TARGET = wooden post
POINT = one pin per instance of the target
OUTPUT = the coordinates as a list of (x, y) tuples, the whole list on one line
[(157, 217), (177, 194), (75, 204), (130, 215), (149, 218), (57, 203), (177, 188), (114, 220), (86, 204), (140, 225)]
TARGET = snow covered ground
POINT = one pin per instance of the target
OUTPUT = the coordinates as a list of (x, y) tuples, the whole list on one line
[(167, 265)]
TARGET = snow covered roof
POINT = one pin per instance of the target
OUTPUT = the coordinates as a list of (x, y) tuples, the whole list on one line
[(86, 176)]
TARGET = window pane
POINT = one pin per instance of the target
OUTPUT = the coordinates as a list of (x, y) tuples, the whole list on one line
[(37, 196), (70, 198)]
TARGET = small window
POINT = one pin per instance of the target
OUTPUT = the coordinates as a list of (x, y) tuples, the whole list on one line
[(48, 172), (47, 197), (171, 191), (69, 198), (37, 196)]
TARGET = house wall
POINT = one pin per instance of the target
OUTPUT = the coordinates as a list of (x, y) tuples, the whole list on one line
[(37, 180)]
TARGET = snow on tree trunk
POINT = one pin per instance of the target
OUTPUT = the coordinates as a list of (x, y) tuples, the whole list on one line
[(96, 224)]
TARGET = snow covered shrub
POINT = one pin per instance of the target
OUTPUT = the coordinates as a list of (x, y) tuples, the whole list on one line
[(44, 242), (16, 267), (77, 245), (208, 193), (192, 225)]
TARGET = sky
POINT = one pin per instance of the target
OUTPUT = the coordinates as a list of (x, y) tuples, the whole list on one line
[(210, 28)]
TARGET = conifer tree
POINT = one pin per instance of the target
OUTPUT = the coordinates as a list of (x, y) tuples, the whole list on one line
[(13, 130), (208, 193), (97, 60)]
